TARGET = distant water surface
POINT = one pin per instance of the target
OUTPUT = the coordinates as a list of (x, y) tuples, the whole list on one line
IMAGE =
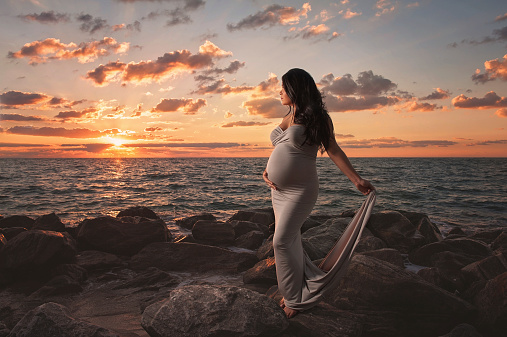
[(468, 192)]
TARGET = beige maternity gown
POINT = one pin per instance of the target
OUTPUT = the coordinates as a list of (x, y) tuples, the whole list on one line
[(292, 168)]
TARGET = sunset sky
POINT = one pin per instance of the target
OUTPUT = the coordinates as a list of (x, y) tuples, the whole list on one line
[(200, 78)]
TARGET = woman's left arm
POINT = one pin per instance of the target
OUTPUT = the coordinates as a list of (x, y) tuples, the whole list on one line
[(343, 163)]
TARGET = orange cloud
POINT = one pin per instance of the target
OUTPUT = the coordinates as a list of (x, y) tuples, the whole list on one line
[(187, 105), (501, 112), (71, 114), (159, 69), (265, 107), (271, 16), (494, 69), (437, 94), (53, 49), (346, 104), (416, 106), (243, 123), (311, 31), (348, 14), (490, 101), (393, 142), (54, 132)]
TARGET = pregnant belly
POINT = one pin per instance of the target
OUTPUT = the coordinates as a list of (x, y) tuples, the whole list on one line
[(290, 169)]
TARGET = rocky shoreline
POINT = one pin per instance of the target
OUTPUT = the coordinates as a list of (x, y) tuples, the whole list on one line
[(129, 276)]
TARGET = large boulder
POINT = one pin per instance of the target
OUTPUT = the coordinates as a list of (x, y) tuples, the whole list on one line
[(11, 232), (251, 240), (191, 257), (243, 227), (188, 222), (390, 255), (266, 249), (396, 231), (52, 319), (95, 260), (141, 211), (423, 224), (261, 216), (16, 221), (319, 240), (213, 232), (486, 269), (420, 308), (124, 236), (263, 272), (36, 251), (49, 222), (492, 304), (204, 310)]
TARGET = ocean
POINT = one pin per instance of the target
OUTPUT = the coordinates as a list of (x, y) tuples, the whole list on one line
[(466, 192)]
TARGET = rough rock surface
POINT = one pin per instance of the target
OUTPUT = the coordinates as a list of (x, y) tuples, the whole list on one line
[(17, 221), (261, 216), (188, 222), (49, 222), (191, 257), (213, 232), (140, 211), (214, 311), (124, 236), (52, 319), (263, 272), (317, 241)]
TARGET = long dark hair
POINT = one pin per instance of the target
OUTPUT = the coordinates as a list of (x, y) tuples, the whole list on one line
[(310, 110)]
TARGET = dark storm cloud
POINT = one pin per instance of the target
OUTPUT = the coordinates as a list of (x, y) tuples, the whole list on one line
[(90, 24), (16, 98)]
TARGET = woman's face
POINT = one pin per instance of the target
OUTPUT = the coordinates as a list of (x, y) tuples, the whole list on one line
[(284, 97)]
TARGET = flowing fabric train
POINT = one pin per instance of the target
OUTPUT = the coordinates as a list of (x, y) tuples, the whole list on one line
[(325, 277)]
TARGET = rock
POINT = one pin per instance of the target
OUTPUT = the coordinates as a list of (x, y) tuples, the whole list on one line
[(396, 231), (261, 216), (189, 222), (74, 271), (16, 221), (433, 276), (213, 232), (191, 257), (500, 243), (11, 232), (317, 241), (140, 211), (96, 260), (124, 236), (423, 224), (263, 272), (326, 321), (463, 330), (309, 223), (243, 227), (251, 240), (49, 222), (390, 255), (367, 243), (457, 231), (58, 285), (373, 285), (214, 311), (3, 241), (348, 213), (37, 251), (150, 279), (266, 250), (492, 304), (487, 236), (52, 319), (485, 269), (4, 332)]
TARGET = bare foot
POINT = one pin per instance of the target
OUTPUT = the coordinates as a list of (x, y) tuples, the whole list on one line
[(290, 312), (282, 303)]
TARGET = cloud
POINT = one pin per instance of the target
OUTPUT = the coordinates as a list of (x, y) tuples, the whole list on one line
[(490, 101), (55, 132), (488, 142), (22, 145), (220, 88), (71, 114), (312, 31), (271, 16), (20, 118), (498, 35), (233, 67), (90, 24), (501, 113), (200, 145), (416, 106), (393, 142), (501, 17), (187, 105), (437, 94), (17, 98), (243, 123), (348, 14), (384, 7), (153, 129), (367, 83), (345, 103), (494, 69), (131, 27), (265, 107), (159, 69), (46, 17), (176, 16), (342, 136), (93, 148), (53, 49)]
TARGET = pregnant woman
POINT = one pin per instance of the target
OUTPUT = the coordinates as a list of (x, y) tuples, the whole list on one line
[(291, 173)]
